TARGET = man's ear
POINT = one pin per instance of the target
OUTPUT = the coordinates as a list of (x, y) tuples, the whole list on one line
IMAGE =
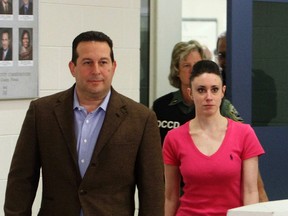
[(114, 65), (72, 68), (223, 90)]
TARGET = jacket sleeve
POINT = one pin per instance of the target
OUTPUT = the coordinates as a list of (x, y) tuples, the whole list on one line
[(24, 172), (150, 174)]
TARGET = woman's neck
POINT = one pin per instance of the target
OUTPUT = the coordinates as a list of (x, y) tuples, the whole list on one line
[(211, 123)]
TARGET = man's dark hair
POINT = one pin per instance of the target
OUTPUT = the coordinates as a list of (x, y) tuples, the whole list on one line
[(5, 31), (91, 36), (28, 34)]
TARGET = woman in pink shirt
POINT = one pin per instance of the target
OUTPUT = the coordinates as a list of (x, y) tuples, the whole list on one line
[(216, 157)]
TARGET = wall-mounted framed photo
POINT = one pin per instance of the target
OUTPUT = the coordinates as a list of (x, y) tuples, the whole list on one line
[(18, 49)]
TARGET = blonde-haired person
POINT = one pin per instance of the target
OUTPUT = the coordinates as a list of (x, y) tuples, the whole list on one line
[(176, 108), (207, 52), (216, 156)]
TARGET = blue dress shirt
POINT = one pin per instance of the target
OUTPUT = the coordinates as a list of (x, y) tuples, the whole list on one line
[(87, 128)]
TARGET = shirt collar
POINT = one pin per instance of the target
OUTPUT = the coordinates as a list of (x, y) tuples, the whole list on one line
[(177, 98), (103, 105)]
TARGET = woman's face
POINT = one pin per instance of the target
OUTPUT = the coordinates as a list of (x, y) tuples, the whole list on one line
[(207, 91), (25, 40), (186, 65)]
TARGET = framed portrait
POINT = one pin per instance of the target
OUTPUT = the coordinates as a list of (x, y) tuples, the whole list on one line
[(19, 50)]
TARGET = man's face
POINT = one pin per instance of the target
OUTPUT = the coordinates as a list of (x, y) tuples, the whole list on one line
[(25, 2), (94, 70), (222, 53), (5, 40)]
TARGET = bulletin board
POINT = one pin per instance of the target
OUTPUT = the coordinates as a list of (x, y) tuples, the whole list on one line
[(19, 50)]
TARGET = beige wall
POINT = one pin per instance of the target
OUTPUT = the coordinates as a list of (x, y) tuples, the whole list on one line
[(59, 22)]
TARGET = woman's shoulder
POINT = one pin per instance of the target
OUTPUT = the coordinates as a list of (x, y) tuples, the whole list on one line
[(162, 101), (239, 127), (166, 97), (178, 131)]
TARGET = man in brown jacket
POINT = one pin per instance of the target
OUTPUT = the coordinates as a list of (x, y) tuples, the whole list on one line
[(93, 146)]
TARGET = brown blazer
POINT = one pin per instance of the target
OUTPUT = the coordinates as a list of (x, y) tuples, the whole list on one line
[(128, 152)]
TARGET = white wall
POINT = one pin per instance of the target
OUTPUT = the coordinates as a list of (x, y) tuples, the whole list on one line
[(207, 9), (59, 22), (166, 16), (214, 9)]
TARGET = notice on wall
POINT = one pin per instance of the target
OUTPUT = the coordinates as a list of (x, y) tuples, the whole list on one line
[(18, 49)]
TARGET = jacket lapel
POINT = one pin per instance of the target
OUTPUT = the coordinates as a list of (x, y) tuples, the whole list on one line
[(115, 114), (65, 116)]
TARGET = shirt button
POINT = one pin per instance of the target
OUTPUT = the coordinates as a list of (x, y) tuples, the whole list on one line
[(87, 121), (82, 161), (83, 192), (85, 140)]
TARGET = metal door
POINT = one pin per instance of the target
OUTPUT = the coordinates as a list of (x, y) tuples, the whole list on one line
[(257, 34)]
